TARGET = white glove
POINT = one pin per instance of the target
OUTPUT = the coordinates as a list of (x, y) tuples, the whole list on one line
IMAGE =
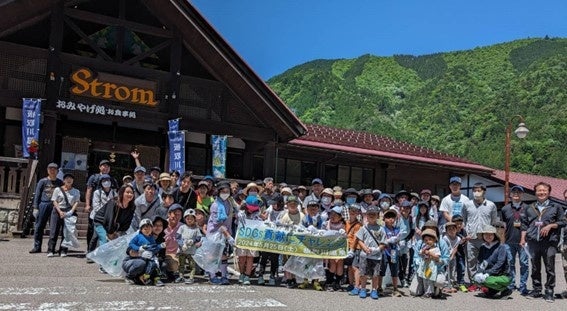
[(483, 265), (35, 213), (142, 249), (312, 229), (68, 214), (350, 254), (342, 231), (230, 241), (162, 245), (184, 247), (480, 277), (189, 242), (147, 255)]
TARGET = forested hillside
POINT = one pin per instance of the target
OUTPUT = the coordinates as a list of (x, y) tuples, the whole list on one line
[(457, 102)]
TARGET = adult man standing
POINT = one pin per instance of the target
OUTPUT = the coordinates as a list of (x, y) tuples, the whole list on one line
[(453, 203), (316, 189), (477, 214), (511, 216), (42, 204), (541, 225), (139, 181), (93, 184)]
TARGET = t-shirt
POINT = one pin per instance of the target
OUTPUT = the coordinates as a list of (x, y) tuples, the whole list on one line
[(73, 195), (453, 205), (372, 236), (273, 214)]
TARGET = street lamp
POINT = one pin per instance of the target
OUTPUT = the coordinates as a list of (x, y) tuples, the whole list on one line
[(522, 131)]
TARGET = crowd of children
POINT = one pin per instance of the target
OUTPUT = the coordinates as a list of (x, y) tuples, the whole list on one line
[(406, 240)]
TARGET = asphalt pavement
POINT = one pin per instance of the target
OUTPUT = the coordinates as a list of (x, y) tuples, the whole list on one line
[(35, 282)]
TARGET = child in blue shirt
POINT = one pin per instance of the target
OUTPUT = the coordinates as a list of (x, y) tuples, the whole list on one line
[(141, 266)]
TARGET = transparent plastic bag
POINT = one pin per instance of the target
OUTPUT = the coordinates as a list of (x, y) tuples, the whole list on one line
[(70, 233), (208, 256), (111, 254), (304, 267)]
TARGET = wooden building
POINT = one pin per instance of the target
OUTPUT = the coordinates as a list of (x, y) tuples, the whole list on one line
[(112, 72)]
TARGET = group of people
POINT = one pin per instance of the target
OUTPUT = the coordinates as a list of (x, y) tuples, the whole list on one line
[(414, 240)]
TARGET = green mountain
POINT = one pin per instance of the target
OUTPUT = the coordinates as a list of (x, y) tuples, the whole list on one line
[(456, 102)]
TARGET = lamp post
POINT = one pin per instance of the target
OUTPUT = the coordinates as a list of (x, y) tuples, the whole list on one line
[(521, 132)]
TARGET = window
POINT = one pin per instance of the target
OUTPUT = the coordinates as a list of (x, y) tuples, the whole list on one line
[(196, 160), (349, 176)]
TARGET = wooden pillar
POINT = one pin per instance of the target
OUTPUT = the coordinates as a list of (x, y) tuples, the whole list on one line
[(270, 159), (47, 139)]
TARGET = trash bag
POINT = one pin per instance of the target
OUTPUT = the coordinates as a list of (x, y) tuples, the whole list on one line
[(70, 233), (209, 255), (304, 267), (111, 254)]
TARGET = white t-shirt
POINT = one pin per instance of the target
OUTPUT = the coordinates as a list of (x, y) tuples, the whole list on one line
[(452, 206), (73, 196)]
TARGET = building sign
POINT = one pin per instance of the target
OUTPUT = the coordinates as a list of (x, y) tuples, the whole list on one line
[(95, 109), (112, 87)]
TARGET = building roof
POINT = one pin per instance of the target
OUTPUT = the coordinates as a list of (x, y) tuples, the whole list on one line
[(365, 143), (527, 181)]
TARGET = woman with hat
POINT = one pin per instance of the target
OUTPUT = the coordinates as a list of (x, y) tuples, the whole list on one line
[(164, 183), (65, 201), (494, 271)]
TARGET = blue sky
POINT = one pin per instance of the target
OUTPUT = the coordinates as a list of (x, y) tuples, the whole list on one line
[(275, 35)]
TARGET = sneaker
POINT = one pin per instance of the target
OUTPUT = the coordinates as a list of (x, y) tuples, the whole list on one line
[(472, 288), (271, 281), (90, 260), (524, 292), (549, 297), (145, 279), (463, 288), (246, 280), (564, 294), (241, 278), (129, 281), (50, 254), (179, 280), (374, 294), (261, 280), (63, 254), (35, 251), (303, 285), (101, 270), (349, 287), (224, 281), (362, 293), (158, 282), (506, 293), (291, 283), (354, 292), (215, 280), (189, 281), (535, 294), (317, 286)]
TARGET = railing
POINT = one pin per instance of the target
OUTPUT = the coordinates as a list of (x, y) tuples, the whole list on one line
[(17, 183)]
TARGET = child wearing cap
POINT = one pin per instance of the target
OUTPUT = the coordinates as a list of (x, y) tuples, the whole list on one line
[(189, 240), (371, 239), (390, 258), (141, 267), (494, 271), (335, 266), (427, 265), (291, 216), (245, 256), (351, 262), (453, 241), (460, 256)]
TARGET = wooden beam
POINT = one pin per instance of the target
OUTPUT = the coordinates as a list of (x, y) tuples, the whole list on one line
[(147, 53), (113, 21), (91, 43)]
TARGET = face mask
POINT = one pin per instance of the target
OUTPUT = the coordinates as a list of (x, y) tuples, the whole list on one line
[(478, 194), (106, 184), (385, 205), (253, 193), (351, 200), (326, 200), (224, 196)]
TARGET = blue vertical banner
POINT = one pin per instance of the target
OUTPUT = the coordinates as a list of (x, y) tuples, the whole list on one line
[(173, 125), (31, 112), (176, 151), (219, 155)]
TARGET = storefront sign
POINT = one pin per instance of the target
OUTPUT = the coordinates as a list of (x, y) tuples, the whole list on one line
[(256, 235), (176, 147), (219, 155), (95, 109), (112, 87), (31, 111)]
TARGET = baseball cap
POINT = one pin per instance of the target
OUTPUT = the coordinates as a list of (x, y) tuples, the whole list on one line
[(371, 209), (317, 181), (312, 202), (127, 177), (517, 188), (337, 209), (425, 191), (155, 168), (455, 179), (52, 165), (189, 212), (174, 207), (457, 218), (292, 198), (203, 183), (140, 169), (223, 185), (103, 162), (146, 222)]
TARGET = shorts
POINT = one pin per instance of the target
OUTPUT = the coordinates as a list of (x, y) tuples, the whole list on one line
[(369, 267), (388, 263)]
